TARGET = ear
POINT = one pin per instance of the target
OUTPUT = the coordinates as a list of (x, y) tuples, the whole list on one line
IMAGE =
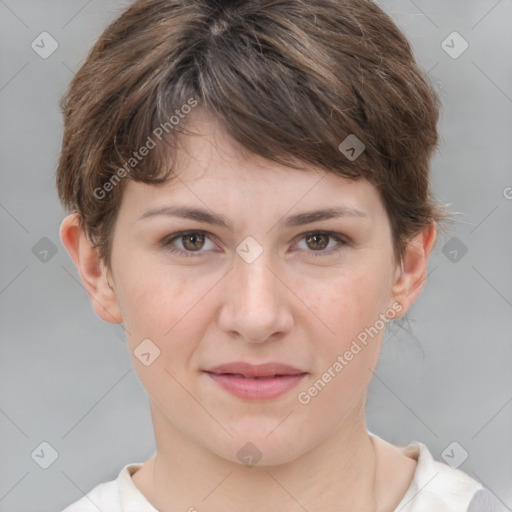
[(95, 276), (409, 283)]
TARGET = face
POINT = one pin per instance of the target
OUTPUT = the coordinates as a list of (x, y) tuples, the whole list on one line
[(260, 289)]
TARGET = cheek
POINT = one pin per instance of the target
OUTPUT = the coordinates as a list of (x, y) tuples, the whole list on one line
[(349, 306), (347, 303), (159, 306), (349, 346), (154, 296), (168, 307)]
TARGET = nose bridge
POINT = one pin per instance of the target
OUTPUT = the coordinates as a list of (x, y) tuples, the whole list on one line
[(255, 284), (256, 304)]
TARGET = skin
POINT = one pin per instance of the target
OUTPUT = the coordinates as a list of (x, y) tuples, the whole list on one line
[(287, 306)]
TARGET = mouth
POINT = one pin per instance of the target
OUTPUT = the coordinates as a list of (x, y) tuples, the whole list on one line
[(262, 382), (255, 378), (267, 370)]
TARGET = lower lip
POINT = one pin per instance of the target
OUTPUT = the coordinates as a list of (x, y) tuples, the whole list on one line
[(257, 389)]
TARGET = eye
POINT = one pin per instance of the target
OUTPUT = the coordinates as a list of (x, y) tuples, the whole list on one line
[(192, 241), (318, 240)]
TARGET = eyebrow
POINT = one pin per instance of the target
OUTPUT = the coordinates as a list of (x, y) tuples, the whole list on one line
[(217, 219)]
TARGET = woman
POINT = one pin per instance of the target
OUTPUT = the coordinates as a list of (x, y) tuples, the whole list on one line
[(248, 188)]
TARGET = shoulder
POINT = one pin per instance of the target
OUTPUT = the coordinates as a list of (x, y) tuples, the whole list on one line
[(440, 487), (485, 501), (119, 495), (100, 497)]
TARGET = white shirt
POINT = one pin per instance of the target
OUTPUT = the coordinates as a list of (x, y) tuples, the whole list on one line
[(435, 487)]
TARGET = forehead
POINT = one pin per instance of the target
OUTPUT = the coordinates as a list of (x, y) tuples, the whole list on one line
[(213, 171)]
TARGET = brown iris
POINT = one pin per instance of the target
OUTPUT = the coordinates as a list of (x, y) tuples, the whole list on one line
[(193, 239), (315, 237)]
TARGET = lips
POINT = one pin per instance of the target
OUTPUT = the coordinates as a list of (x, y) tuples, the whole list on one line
[(261, 371), (256, 382)]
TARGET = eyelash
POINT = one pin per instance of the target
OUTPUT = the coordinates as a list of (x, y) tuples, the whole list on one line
[(335, 236)]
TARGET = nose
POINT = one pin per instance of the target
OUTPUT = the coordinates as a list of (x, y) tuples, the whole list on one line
[(257, 304)]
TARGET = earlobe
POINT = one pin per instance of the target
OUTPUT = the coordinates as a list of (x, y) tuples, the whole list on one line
[(410, 281), (92, 272)]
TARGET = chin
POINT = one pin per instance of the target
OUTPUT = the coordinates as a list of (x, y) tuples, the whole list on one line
[(260, 446)]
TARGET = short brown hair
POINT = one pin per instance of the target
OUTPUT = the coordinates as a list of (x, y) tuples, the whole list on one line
[(288, 79)]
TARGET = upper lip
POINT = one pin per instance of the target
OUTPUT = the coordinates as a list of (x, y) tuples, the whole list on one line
[(260, 370)]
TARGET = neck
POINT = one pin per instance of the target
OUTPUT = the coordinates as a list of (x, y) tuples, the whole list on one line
[(184, 474)]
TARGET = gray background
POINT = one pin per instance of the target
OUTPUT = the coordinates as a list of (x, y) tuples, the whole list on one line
[(66, 375)]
